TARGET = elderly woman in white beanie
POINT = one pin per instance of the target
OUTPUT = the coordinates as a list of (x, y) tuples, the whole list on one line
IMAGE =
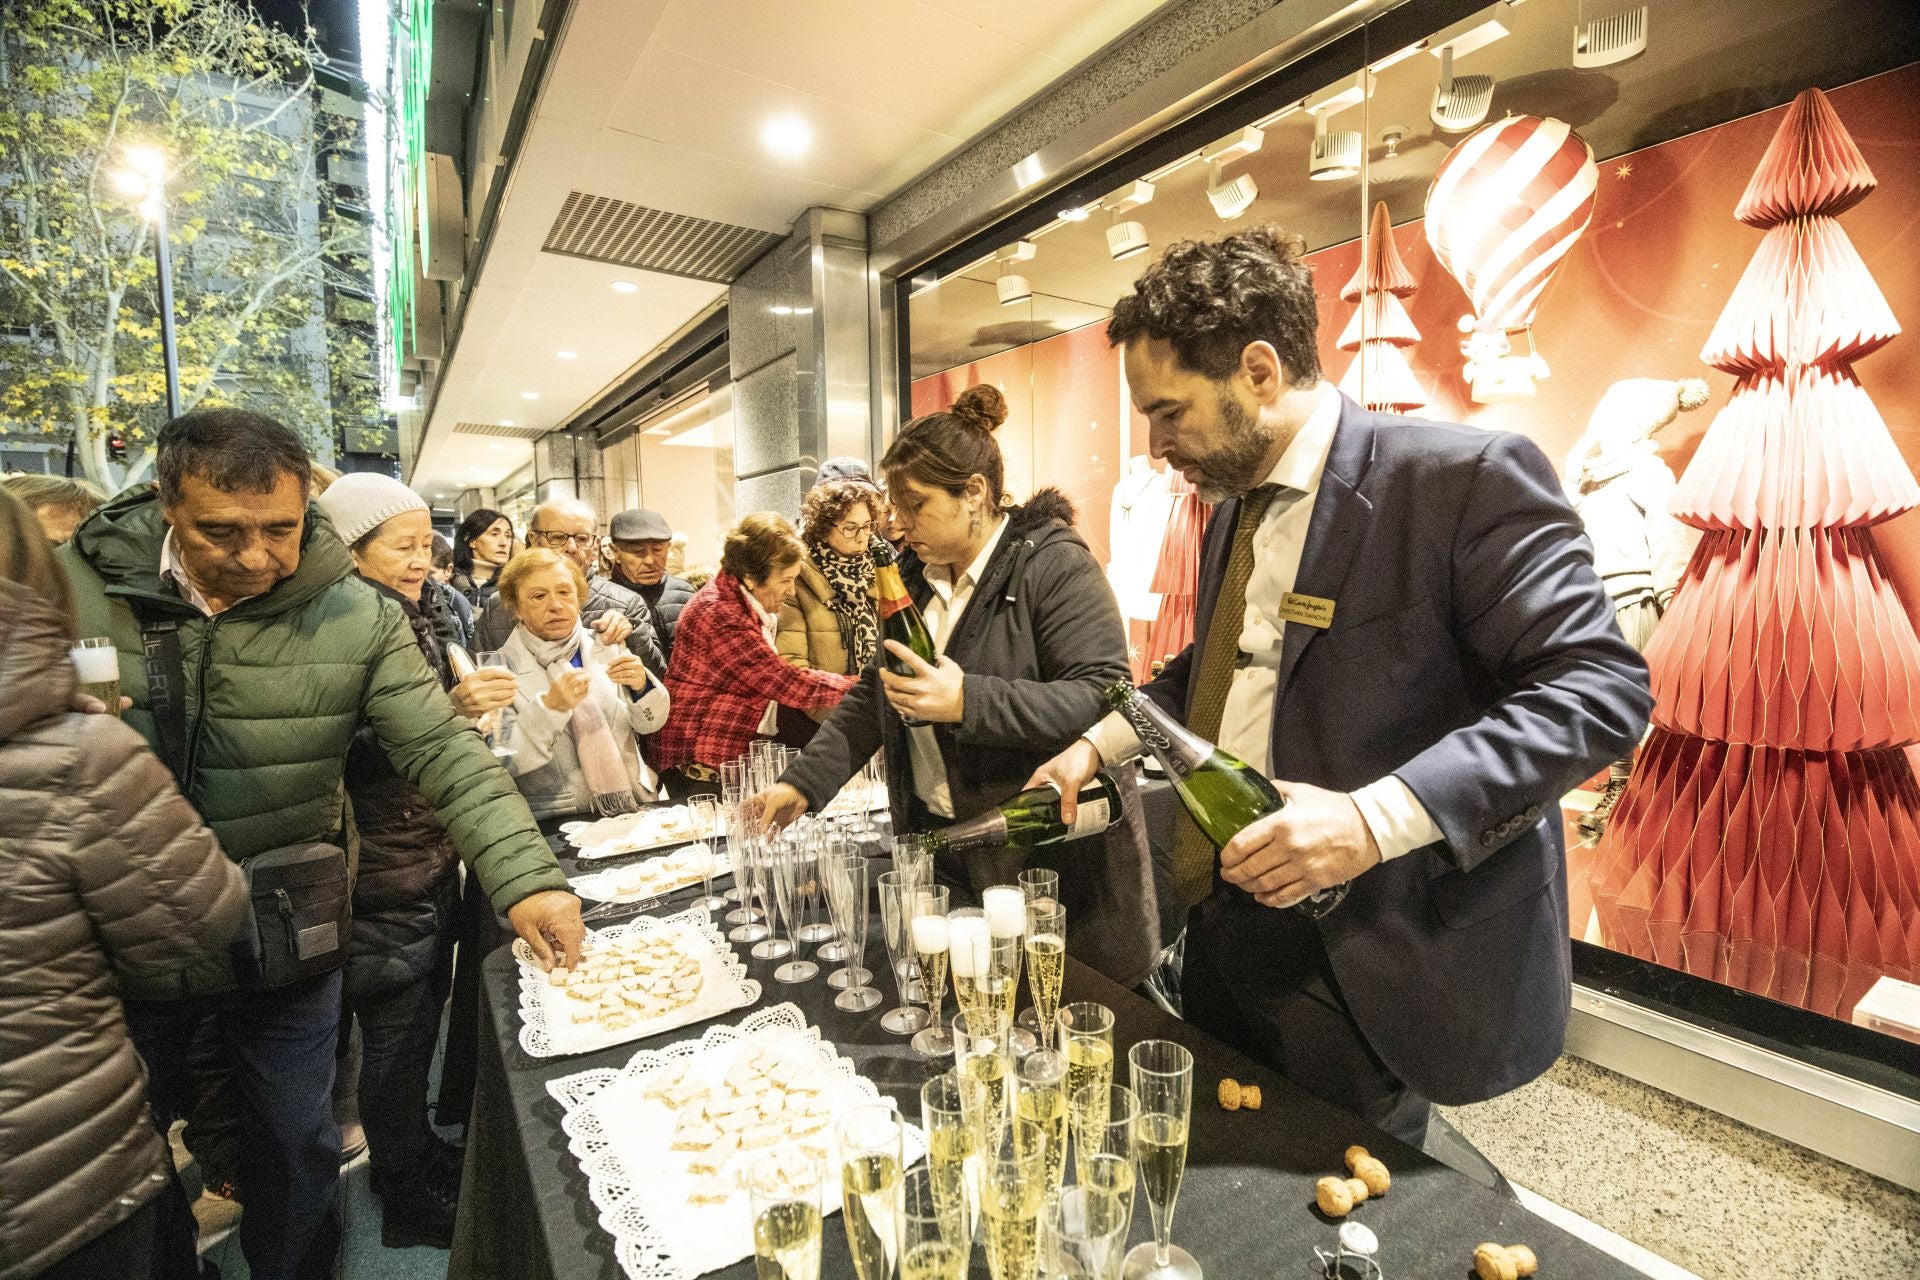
[(404, 898)]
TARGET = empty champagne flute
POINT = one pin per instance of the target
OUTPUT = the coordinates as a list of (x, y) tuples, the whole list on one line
[(705, 813), (912, 857), (928, 932), (896, 906), (953, 1126), (740, 838), (1015, 1187), (763, 853), (1104, 1118), (789, 865), (813, 894), (733, 791), (936, 1237), (847, 875), (1161, 1073), (871, 1192), (1086, 1038), (833, 847), (1083, 1233), (783, 1188)]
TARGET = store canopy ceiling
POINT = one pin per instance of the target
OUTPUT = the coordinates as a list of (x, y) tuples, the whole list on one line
[(652, 161)]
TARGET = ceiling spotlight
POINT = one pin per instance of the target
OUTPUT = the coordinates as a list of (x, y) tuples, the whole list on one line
[(624, 286), (1231, 197), (1460, 103), (1013, 290), (1606, 41), (1129, 197), (1018, 251), (529, 395), (1076, 214), (567, 355), (1233, 147), (787, 136), (1335, 155), (1125, 239)]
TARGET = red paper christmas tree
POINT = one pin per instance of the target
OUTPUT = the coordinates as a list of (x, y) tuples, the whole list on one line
[(1770, 836), (1379, 376)]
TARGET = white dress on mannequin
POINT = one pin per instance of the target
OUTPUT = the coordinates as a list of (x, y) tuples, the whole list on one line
[(1142, 506)]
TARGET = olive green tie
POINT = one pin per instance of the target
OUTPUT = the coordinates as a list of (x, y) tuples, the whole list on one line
[(1193, 853)]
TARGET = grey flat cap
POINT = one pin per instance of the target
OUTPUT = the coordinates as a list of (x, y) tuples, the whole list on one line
[(843, 469), (640, 525)]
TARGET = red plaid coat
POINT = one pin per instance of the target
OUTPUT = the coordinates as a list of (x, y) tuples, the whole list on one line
[(722, 676)]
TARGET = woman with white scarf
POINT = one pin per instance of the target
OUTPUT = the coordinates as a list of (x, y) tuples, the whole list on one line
[(579, 706)]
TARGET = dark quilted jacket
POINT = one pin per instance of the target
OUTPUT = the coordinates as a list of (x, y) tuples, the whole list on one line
[(106, 875), (666, 598)]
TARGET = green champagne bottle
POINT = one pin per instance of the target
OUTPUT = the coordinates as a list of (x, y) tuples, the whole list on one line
[(899, 616), (1220, 791), (1032, 819)]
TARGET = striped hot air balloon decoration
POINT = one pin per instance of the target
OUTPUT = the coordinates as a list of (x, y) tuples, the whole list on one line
[(1505, 208)]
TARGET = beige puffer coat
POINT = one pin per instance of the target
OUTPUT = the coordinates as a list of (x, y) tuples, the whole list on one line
[(104, 870)]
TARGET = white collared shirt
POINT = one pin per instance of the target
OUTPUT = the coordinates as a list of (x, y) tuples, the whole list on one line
[(769, 627), (174, 575), (1397, 819), (951, 596)]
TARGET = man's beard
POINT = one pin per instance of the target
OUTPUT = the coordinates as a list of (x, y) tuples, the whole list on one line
[(1233, 468)]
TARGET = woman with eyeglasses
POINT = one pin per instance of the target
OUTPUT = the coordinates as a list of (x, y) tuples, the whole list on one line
[(833, 623)]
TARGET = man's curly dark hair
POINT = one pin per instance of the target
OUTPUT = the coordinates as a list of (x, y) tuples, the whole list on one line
[(1211, 298)]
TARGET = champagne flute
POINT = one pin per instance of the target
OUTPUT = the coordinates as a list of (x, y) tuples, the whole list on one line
[(1046, 945), (896, 906), (498, 725), (740, 843), (1161, 1073), (847, 875), (972, 955), (870, 1189), (1104, 1121), (1037, 883), (1084, 1234), (705, 812), (763, 852), (1040, 1096), (1086, 1032), (787, 868), (733, 792), (833, 847), (1015, 1189), (813, 893), (912, 858), (981, 1060), (784, 1190), (928, 931), (1006, 911), (936, 1237), (953, 1124)]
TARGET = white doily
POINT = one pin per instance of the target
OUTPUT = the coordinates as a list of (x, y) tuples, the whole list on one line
[(640, 1186), (546, 1026), (649, 878), (630, 832)]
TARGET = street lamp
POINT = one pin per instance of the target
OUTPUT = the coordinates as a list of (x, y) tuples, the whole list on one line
[(147, 178)]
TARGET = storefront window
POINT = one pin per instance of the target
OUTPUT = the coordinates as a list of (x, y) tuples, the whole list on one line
[(1668, 249), (680, 463)]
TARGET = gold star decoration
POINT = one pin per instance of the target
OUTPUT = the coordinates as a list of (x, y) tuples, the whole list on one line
[(1624, 171)]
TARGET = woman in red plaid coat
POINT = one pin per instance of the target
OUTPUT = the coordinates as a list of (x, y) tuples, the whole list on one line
[(726, 680)]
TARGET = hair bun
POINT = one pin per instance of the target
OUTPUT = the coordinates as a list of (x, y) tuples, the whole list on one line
[(981, 406)]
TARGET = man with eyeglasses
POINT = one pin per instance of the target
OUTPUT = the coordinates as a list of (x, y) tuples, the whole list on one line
[(569, 526), (641, 540)]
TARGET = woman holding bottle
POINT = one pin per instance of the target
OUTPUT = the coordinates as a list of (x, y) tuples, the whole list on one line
[(1027, 638)]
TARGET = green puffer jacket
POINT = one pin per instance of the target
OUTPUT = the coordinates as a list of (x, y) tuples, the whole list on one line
[(274, 688)]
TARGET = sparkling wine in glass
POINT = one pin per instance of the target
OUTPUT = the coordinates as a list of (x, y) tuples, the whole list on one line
[(871, 1190), (783, 1189), (1161, 1073), (928, 932)]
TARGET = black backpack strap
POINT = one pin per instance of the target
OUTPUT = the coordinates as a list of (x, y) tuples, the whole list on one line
[(166, 686)]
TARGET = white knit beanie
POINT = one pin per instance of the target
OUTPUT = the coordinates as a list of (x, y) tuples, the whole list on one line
[(360, 502)]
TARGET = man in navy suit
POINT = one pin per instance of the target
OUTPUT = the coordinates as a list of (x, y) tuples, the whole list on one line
[(1400, 623)]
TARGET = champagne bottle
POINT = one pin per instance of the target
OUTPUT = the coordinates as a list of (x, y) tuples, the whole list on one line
[(1032, 819), (899, 616), (1220, 792)]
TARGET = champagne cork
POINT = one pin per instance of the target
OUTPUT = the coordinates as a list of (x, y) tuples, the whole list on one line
[(1333, 1197)]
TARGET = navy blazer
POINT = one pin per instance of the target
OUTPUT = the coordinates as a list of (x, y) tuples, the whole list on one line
[(1473, 652)]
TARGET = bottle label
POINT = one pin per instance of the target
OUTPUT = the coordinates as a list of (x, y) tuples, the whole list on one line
[(892, 591), (1091, 819), (1150, 736)]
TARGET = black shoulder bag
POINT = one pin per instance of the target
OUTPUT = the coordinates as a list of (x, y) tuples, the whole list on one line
[(302, 903)]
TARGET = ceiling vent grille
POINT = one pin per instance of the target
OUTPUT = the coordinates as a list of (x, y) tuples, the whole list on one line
[(500, 432), (632, 235)]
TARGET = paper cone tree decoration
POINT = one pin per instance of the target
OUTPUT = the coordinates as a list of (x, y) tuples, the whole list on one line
[(1380, 377), (1770, 835)]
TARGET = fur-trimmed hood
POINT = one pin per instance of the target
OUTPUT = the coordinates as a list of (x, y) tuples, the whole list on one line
[(1048, 504)]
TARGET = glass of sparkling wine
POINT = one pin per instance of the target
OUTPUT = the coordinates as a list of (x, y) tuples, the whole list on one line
[(871, 1189), (928, 930), (953, 1122), (1006, 910), (784, 1189), (1104, 1120), (1046, 944), (1161, 1073), (96, 664), (969, 954), (1040, 1096), (937, 1232), (1015, 1190), (1083, 1234), (1086, 1037), (981, 1059), (1036, 883), (896, 921)]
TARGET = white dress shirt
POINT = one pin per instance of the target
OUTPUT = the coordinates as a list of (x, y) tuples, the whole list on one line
[(951, 596), (1392, 812), (173, 574)]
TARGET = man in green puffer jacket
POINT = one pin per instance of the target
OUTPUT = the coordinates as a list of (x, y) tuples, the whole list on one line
[(283, 655)]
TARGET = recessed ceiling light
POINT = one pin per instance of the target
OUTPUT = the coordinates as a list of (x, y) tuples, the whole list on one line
[(506, 422), (624, 286), (1073, 215), (529, 395), (787, 136), (567, 355)]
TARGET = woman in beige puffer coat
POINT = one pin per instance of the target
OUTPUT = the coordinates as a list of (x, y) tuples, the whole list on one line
[(105, 870)]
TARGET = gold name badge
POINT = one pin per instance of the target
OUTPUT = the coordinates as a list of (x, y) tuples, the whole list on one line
[(1312, 611)]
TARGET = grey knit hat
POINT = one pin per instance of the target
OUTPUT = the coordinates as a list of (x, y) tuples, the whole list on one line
[(362, 501)]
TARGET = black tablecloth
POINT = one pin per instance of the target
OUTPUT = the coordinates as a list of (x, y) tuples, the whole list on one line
[(1246, 1208)]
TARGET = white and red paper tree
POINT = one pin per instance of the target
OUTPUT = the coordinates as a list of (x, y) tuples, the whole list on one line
[(1770, 835), (1379, 376)]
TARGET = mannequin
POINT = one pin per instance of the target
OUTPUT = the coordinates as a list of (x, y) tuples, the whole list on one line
[(1621, 488), (1142, 505)]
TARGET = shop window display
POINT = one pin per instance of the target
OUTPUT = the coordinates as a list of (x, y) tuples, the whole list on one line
[(1671, 258)]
